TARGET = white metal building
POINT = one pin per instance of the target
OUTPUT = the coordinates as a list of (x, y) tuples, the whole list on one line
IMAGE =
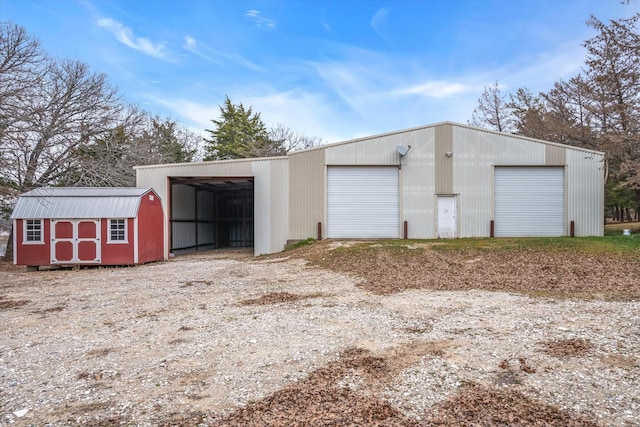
[(444, 180)]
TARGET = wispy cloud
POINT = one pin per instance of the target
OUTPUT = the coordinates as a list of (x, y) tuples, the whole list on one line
[(125, 36), (260, 20), (433, 89), (197, 115), (304, 112), (191, 45), (379, 22), (217, 57), (326, 26)]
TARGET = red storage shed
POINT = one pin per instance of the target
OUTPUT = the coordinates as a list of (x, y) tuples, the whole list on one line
[(88, 226)]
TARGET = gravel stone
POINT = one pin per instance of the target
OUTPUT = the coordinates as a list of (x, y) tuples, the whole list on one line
[(149, 344)]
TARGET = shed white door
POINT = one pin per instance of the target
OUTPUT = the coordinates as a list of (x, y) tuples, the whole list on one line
[(529, 201), (446, 217), (362, 202), (75, 241)]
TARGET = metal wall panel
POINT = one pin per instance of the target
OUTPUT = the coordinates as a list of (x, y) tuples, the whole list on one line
[(183, 217), (362, 202), (205, 205), (529, 201), (206, 216), (183, 206), (183, 235), (585, 192), (306, 193), (417, 179), (271, 207), (444, 157), (279, 195), (375, 151), (206, 234), (555, 155)]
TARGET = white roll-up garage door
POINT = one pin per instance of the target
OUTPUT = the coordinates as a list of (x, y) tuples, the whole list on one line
[(529, 201), (362, 202)]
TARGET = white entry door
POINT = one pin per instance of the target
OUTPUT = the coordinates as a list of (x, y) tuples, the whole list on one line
[(447, 217)]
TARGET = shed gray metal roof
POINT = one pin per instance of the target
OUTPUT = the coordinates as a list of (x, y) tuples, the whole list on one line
[(79, 202)]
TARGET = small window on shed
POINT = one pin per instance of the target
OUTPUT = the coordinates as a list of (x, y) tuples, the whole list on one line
[(33, 231), (117, 231)]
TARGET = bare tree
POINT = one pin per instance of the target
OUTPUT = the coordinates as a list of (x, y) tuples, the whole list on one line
[(528, 114), (613, 71), (492, 111), (291, 140), (21, 60), (568, 113), (139, 140), (70, 107)]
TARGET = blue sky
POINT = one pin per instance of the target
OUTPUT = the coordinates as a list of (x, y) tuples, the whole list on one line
[(335, 69)]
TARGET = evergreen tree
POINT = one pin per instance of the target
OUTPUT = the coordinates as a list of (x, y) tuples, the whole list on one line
[(240, 133)]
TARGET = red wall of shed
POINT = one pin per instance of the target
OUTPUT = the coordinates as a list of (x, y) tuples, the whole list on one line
[(150, 229), (117, 253), (33, 254)]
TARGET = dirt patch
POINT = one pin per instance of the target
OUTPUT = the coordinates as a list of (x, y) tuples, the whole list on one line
[(620, 361)]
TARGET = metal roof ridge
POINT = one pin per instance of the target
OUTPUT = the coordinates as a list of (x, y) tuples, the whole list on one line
[(208, 162), (365, 138), (86, 192), (526, 138)]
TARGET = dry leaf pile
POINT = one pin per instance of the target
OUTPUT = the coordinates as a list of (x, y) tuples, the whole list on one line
[(549, 273), (570, 347), (274, 298), (478, 406)]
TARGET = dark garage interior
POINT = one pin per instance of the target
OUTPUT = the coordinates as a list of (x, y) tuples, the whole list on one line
[(210, 213)]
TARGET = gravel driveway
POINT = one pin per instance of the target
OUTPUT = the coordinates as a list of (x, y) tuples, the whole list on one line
[(196, 339)]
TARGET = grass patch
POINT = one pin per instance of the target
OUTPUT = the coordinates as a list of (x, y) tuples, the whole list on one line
[(616, 229), (611, 244), (300, 244)]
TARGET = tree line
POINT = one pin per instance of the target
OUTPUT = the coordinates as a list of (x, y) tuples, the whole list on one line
[(598, 109)]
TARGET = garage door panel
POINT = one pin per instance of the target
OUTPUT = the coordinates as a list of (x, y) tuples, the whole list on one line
[(362, 202), (529, 202)]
